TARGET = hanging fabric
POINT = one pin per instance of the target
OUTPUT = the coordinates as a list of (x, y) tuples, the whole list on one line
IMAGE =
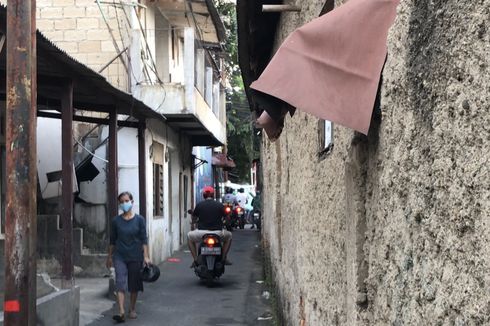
[(329, 67)]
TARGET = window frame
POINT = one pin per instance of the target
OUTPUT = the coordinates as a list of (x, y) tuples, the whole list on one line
[(325, 148), (158, 191)]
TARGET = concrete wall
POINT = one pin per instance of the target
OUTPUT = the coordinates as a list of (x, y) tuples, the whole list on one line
[(391, 229), (61, 308), (167, 232)]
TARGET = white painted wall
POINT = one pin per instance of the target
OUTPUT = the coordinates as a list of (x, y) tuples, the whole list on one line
[(164, 238), (177, 64), (95, 191), (127, 157), (49, 156), (163, 47)]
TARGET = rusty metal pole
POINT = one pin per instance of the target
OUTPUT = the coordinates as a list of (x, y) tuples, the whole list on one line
[(33, 230), (142, 168), (21, 168), (67, 183), (112, 176)]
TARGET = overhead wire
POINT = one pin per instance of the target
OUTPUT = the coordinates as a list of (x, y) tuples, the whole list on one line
[(128, 55), (148, 78), (200, 38), (116, 46), (89, 151), (153, 66)]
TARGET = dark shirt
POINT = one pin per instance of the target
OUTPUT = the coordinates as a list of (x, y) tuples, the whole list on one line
[(210, 214), (256, 202), (128, 237)]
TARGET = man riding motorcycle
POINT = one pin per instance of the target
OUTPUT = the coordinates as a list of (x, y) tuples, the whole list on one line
[(229, 197), (257, 206), (229, 201), (241, 198), (208, 215)]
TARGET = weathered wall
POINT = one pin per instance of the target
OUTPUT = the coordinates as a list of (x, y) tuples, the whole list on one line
[(78, 27), (391, 229), (167, 232)]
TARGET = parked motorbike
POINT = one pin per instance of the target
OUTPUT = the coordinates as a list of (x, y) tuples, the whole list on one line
[(210, 258), (240, 217), (228, 220)]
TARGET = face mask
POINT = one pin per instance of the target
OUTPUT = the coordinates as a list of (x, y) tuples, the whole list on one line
[(126, 207)]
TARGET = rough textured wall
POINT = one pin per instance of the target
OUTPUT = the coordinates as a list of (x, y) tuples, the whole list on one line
[(392, 229)]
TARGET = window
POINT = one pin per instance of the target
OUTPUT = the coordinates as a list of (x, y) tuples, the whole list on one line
[(325, 127), (174, 44), (157, 190), (325, 137), (157, 150)]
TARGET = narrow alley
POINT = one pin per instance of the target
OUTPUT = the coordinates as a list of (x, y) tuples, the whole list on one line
[(354, 134), (180, 298)]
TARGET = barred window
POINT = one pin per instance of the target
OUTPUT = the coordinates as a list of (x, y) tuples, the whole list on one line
[(158, 179)]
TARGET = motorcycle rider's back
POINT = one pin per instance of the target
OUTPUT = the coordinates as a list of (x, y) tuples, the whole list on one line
[(210, 220), (210, 214)]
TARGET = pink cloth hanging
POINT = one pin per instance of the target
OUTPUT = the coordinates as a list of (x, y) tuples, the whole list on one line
[(331, 66)]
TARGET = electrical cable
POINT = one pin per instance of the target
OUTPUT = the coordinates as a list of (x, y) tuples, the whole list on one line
[(128, 33), (152, 67), (116, 46), (89, 151)]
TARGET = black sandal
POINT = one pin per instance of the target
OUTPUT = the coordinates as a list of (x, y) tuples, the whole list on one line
[(119, 318)]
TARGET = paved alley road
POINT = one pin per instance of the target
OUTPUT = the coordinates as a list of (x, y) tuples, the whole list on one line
[(179, 298)]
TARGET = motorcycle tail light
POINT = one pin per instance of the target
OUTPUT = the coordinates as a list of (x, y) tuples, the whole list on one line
[(238, 209), (210, 241), (227, 210)]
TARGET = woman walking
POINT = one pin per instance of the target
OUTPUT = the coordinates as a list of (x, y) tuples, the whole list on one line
[(128, 251)]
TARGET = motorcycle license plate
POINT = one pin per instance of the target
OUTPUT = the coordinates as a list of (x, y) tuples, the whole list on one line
[(214, 251)]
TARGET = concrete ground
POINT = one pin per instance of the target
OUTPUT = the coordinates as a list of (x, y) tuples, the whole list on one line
[(180, 298), (93, 299)]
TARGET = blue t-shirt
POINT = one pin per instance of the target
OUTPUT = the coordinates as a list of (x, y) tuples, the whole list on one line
[(128, 237)]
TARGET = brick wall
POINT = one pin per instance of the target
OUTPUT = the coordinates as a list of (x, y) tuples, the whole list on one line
[(78, 27)]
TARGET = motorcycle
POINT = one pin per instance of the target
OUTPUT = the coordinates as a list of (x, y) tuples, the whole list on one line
[(240, 217), (210, 264), (228, 220), (256, 218)]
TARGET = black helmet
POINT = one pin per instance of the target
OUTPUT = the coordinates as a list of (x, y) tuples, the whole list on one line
[(150, 273)]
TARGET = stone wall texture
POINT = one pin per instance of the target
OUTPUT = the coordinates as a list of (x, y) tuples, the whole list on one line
[(393, 228)]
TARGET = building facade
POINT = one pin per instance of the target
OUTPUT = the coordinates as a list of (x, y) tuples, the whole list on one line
[(168, 57), (392, 228)]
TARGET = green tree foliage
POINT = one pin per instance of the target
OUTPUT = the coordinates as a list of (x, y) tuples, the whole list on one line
[(239, 118)]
